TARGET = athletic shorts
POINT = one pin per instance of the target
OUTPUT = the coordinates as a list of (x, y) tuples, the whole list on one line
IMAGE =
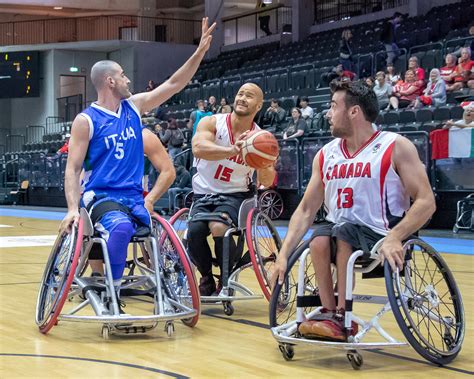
[(225, 203), (359, 237)]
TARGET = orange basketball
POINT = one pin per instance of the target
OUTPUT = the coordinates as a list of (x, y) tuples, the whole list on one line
[(260, 149)]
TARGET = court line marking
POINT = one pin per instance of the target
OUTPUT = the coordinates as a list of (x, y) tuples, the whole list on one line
[(130, 365), (375, 351)]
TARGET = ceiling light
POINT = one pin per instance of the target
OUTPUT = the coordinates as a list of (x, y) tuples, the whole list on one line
[(267, 1), (58, 8)]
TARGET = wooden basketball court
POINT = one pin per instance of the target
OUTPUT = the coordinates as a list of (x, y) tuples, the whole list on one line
[(219, 346)]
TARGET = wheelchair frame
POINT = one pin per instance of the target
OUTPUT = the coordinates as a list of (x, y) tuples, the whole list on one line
[(166, 308), (232, 290), (288, 336)]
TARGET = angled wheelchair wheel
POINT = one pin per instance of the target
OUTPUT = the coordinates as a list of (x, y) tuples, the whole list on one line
[(263, 243), (270, 202), (58, 277), (426, 303), (188, 200), (283, 299), (179, 276), (179, 222)]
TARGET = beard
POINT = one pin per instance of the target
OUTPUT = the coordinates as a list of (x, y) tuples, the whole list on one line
[(240, 112), (342, 131)]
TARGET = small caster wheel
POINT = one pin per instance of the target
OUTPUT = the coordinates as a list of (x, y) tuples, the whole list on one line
[(287, 351), (169, 328), (105, 332), (356, 360), (228, 308), (455, 229)]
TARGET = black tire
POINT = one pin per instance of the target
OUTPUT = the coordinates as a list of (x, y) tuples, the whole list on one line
[(283, 299), (427, 287)]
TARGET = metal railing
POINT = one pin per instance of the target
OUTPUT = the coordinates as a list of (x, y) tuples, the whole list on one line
[(330, 11), (119, 27), (15, 142), (35, 133), (250, 26)]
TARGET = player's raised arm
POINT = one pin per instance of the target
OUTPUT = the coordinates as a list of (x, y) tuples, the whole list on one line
[(147, 101)]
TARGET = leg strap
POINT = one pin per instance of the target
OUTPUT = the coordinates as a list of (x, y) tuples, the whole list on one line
[(212, 216)]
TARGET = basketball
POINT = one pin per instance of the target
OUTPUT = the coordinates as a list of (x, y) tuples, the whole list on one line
[(260, 149)]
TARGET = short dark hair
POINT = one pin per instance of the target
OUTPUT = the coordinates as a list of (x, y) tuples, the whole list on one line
[(276, 101), (358, 93), (304, 98), (397, 14)]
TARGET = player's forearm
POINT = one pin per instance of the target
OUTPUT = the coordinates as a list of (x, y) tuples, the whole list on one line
[(72, 188), (164, 181), (185, 73), (418, 214), (299, 224), (266, 176), (210, 151)]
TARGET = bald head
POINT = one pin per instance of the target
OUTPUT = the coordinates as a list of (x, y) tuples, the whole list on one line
[(249, 100), (255, 89), (101, 70)]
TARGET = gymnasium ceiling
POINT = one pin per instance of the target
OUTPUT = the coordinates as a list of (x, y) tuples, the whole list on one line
[(75, 8)]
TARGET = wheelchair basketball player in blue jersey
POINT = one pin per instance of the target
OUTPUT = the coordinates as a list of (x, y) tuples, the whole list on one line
[(107, 140)]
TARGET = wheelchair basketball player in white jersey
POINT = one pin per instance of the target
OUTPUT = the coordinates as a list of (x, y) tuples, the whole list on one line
[(222, 182), (365, 179)]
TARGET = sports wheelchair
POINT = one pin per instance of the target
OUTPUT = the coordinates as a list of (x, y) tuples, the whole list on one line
[(423, 297), (263, 244), (164, 274)]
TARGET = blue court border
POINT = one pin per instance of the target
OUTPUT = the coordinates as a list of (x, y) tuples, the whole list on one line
[(458, 246)]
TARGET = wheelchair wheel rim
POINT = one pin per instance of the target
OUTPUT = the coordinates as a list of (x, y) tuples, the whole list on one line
[(427, 294), (271, 203), (263, 243), (284, 297), (61, 268), (181, 282), (179, 222)]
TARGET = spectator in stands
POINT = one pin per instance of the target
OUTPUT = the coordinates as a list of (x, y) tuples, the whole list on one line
[(435, 91), (383, 90), (391, 75), (263, 18), (467, 118), (448, 72), (389, 37), (151, 86), (405, 93), (419, 72), (464, 75), (338, 73), (212, 105), (64, 149), (306, 111), (224, 107), (370, 82), (275, 116), (173, 138), (297, 125), (197, 115), (345, 50), (182, 184)]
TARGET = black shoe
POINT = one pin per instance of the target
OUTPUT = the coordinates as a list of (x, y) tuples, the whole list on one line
[(207, 285), (121, 305)]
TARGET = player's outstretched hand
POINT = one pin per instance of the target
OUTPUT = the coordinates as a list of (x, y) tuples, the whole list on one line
[(206, 35)]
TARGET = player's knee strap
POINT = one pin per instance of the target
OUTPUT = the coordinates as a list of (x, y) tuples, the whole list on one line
[(99, 210), (212, 216)]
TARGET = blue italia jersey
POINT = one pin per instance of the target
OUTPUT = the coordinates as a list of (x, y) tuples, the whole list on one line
[(115, 157)]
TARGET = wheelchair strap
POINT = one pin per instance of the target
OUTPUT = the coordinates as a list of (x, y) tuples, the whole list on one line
[(212, 216), (107, 206)]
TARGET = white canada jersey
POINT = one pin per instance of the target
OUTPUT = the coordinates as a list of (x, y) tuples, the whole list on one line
[(363, 189), (229, 175)]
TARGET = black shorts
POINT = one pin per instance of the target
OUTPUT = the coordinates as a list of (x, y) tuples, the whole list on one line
[(359, 237), (225, 203)]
